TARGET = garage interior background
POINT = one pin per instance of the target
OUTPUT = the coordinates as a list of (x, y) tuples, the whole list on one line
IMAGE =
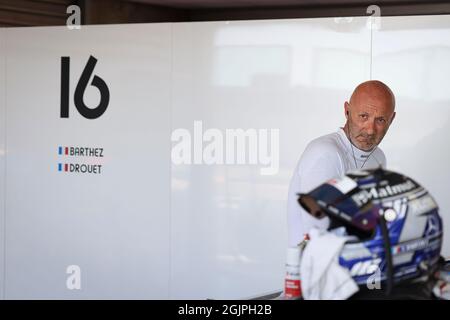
[(147, 228)]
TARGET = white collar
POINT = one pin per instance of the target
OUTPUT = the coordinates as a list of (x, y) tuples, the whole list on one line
[(360, 155)]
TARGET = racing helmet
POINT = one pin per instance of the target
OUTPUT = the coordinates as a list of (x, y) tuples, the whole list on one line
[(392, 223)]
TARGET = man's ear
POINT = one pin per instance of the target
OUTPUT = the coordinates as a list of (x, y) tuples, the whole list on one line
[(393, 116), (346, 105)]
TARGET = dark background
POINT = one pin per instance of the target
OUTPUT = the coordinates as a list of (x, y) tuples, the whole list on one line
[(17, 13)]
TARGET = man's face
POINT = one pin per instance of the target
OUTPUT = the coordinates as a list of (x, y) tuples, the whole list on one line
[(368, 120)]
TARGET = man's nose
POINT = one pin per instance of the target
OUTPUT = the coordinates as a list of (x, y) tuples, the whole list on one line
[(370, 127)]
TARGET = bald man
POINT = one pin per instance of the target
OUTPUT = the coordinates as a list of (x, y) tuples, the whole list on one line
[(369, 114)]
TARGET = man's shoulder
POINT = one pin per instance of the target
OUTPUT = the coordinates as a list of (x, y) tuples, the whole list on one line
[(379, 151), (321, 160), (325, 144), (380, 157)]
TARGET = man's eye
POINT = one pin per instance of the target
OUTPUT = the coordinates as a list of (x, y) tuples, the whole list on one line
[(382, 121), (363, 116)]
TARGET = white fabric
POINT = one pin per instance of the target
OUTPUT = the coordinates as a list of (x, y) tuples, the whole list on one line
[(322, 276), (324, 158)]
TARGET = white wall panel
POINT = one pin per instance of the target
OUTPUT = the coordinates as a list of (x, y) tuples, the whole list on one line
[(229, 230), (113, 225), (412, 55), (2, 159)]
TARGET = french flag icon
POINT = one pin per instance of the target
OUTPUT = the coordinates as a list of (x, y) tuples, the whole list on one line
[(63, 167), (63, 150)]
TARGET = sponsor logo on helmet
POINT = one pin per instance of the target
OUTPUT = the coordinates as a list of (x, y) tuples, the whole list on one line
[(365, 195), (433, 225), (363, 268)]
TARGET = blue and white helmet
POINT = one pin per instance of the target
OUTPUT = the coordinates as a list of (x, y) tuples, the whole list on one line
[(395, 223)]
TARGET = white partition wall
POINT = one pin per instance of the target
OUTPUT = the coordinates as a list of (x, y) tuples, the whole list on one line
[(2, 160), (112, 223), (412, 54), (178, 189)]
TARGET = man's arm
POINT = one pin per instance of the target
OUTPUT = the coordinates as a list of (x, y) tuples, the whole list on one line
[(319, 163)]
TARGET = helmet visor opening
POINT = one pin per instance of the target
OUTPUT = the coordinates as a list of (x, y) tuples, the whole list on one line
[(310, 205)]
